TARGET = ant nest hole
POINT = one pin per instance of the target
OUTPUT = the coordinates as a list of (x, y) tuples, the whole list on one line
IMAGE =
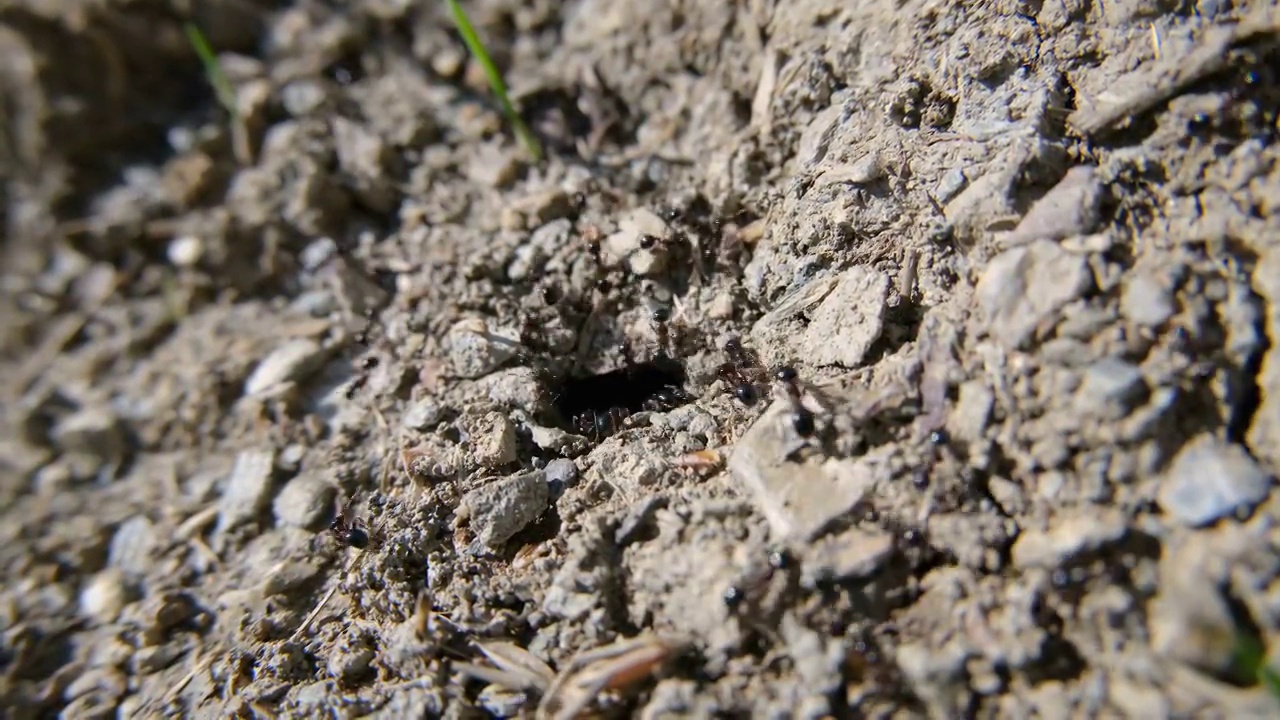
[(598, 405)]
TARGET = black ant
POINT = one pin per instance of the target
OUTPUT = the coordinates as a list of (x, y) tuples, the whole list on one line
[(367, 363), (802, 418), (739, 370), (938, 438), (779, 559), (366, 368), (349, 531), (599, 425)]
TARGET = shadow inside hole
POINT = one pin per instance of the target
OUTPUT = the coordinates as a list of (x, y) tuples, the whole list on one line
[(629, 388)]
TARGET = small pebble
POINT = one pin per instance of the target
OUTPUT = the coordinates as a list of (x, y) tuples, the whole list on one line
[(502, 702), (516, 387), (843, 328), (1210, 479), (1146, 300), (561, 473), (1111, 389), (950, 185), (153, 659), (104, 596), (348, 664), (304, 502), (291, 457), (851, 555), (160, 613), (317, 253), (1070, 208), (1025, 288), (495, 441), (475, 349), (504, 507), (94, 431), (133, 546), (625, 245), (289, 362), (1069, 537), (186, 251), (423, 415), (302, 97), (248, 488)]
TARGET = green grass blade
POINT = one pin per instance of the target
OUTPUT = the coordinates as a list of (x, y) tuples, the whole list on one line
[(212, 70), (478, 51)]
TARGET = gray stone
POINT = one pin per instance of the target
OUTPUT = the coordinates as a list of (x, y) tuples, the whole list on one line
[(133, 546), (362, 156), (248, 488), (1146, 300), (853, 554), (1078, 533), (288, 363), (936, 676), (950, 185), (346, 664), (153, 659), (494, 166), (972, 412), (92, 431), (504, 507), (516, 387), (799, 500), (104, 596), (494, 441), (503, 702), (304, 502), (1070, 208), (561, 472), (849, 321), (1110, 389), (302, 97), (423, 415), (1024, 288), (553, 439), (475, 349), (1210, 479)]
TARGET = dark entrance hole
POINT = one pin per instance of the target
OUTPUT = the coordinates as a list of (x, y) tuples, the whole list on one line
[(596, 405)]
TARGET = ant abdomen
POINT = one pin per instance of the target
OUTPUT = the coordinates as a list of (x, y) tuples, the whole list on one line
[(599, 425)]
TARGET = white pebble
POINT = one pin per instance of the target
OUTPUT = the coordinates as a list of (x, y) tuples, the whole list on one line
[(104, 596), (186, 251)]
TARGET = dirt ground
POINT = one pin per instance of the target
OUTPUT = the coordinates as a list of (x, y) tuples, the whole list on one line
[(1024, 258)]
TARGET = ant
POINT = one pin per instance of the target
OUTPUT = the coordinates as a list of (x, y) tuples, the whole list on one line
[(599, 425), (367, 364), (366, 367), (754, 582), (938, 439), (802, 418), (350, 530), (739, 370)]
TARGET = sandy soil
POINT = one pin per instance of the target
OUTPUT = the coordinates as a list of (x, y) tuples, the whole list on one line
[(1024, 259)]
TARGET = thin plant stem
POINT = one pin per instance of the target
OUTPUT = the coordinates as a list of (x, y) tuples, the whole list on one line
[(478, 51)]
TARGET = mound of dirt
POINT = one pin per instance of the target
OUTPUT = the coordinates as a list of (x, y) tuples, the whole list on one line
[(899, 360)]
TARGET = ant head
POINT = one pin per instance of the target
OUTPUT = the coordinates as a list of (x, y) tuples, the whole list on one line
[(786, 374)]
